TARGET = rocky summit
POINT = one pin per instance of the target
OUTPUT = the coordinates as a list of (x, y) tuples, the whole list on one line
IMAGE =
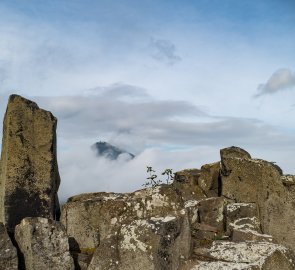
[(236, 213)]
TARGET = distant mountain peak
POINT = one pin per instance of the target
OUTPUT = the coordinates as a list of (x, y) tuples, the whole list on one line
[(109, 151)]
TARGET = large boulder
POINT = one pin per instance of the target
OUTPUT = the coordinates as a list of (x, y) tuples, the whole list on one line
[(150, 244), (90, 218), (43, 244), (248, 180), (29, 177), (8, 253)]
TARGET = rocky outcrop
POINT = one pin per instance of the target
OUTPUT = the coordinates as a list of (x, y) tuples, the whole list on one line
[(248, 180), (91, 218), (29, 176), (8, 253), (234, 214), (43, 244)]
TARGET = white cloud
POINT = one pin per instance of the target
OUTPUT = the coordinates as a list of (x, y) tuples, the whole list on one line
[(81, 171), (280, 80)]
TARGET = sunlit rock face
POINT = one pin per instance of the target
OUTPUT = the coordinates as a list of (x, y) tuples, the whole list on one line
[(90, 218), (247, 180), (29, 177)]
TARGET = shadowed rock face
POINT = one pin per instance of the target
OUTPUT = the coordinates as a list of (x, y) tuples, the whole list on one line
[(8, 253), (29, 177)]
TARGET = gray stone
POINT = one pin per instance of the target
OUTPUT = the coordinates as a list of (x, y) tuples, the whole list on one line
[(8, 253), (150, 244), (246, 255), (29, 177), (234, 152), (106, 255), (209, 179), (186, 183), (90, 218), (211, 212), (246, 234), (236, 211), (44, 244), (248, 180), (242, 216)]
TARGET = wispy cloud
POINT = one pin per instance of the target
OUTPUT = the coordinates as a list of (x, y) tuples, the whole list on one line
[(280, 80), (164, 51)]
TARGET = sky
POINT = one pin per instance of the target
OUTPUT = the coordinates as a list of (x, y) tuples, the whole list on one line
[(171, 81)]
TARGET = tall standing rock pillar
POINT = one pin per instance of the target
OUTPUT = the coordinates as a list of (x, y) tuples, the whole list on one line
[(29, 177)]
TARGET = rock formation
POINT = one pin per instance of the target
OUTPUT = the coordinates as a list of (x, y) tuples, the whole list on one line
[(8, 253), (29, 177), (257, 181), (236, 213), (44, 244)]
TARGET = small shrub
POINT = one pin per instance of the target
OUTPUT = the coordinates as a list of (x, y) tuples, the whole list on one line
[(152, 180)]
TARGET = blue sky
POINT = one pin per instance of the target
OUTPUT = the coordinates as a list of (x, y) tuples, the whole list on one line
[(162, 79)]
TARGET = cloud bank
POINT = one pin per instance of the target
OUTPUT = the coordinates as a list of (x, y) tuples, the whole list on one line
[(162, 133)]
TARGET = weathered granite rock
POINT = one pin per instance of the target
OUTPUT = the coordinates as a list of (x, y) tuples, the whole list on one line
[(192, 207), (234, 152), (44, 244), (90, 218), (245, 234), (150, 244), (106, 255), (209, 179), (207, 220), (8, 253), (247, 255), (236, 211), (211, 211), (29, 177), (257, 181), (186, 183), (242, 216), (242, 222)]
